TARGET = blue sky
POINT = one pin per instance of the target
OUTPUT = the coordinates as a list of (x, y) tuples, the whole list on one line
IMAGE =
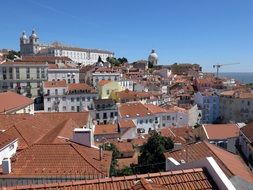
[(206, 32)]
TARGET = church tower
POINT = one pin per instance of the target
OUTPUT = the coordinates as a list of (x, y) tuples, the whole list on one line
[(29, 46)]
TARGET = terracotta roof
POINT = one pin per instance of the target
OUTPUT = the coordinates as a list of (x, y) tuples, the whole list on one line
[(106, 129), (139, 109), (124, 146), (80, 86), (11, 101), (155, 109), (55, 84), (24, 63), (248, 131), (125, 123), (230, 163), (6, 139), (103, 82), (221, 131), (44, 127), (49, 59), (178, 134), (133, 110), (64, 66), (67, 159), (191, 179)]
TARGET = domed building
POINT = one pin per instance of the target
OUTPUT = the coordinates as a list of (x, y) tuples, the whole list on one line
[(152, 58)]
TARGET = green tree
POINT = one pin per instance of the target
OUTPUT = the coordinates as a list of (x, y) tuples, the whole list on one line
[(115, 154), (151, 157), (100, 59), (13, 54)]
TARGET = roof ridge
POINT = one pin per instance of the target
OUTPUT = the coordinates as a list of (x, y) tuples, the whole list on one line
[(85, 158), (20, 134)]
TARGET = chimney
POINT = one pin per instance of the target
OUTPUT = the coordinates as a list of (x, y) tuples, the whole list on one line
[(83, 136), (6, 165), (100, 153)]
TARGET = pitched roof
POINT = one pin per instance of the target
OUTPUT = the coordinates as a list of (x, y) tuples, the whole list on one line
[(103, 82), (11, 101), (221, 131), (126, 123), (42, 127), (67, 159), (139, 110), (248, 131), (49, 59), (191, 179), (178, 134), (124, 146), (106, 129), (80, 86), (230, 163), (6, 139), (55, 84), (18, 62)]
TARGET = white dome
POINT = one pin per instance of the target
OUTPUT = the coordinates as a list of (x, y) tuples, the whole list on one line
[(153, 55), (23, 36), (34, 35)]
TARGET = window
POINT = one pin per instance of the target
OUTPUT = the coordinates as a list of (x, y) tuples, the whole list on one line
[(116, 113), (72, 99), (107, 92), (48, 92), (64, 91), (168, 117), (78, 108), (77, 99), (83, 98), (56, 91), (104, 115), (64, 108), (74, 81), (27, 72), (48, 99), (38, 73), (112, 114), (141, 121), (68, 81), (49, 109), (63, 98), (97, 116), (11, 146), (72, 108)]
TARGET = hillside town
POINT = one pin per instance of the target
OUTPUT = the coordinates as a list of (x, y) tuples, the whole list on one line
[(81, 118)]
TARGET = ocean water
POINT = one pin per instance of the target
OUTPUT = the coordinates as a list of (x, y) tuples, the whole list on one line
[(243, 77)]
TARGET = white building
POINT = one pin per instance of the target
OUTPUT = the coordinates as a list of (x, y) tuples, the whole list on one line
[(105, 74), (8, 146), (62, 97), (146, 117), (12, 103), (23, 77), (61, 71), (32, 46), (105, 111), (236, 106)]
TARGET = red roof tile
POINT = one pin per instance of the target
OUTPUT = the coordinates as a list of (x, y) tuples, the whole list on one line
[(6, 139), (192, 179), (55, 84), (230, 163), (106, 129), (221, 131), (59, 160), (11, 101)]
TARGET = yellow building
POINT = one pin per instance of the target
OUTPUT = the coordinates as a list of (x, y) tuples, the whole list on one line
[(106, 87)]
